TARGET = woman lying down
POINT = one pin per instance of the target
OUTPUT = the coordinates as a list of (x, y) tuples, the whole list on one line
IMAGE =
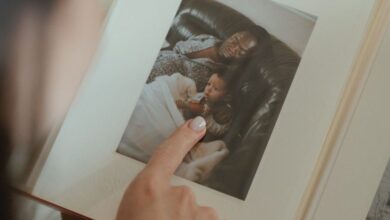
[(164, 105)]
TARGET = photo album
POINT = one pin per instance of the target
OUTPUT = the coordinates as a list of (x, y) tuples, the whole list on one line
[(272, 79), (217, 63)]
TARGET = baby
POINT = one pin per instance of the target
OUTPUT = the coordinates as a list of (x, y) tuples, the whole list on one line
[(212, 104)]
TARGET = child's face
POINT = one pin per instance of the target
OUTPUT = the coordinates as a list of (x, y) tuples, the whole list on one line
[(215, 89)]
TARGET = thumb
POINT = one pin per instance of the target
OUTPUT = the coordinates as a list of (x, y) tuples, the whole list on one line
[(171, 152)]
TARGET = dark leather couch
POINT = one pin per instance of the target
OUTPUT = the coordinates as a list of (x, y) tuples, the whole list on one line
[(259, 93)]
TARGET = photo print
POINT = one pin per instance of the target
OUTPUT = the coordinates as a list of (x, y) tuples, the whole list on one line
[(218, 63)]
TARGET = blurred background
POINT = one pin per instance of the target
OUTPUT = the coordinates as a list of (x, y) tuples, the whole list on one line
[(46, 48)]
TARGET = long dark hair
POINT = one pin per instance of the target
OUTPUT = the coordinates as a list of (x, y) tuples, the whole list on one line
[(10, 12)]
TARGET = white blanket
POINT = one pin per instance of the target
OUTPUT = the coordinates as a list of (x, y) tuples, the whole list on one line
[(155, 115), (154, 119)]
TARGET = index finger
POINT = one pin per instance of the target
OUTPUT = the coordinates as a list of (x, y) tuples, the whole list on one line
[(172, 151)]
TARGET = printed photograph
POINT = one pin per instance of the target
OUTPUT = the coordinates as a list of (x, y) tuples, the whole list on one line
[(380, 207), (231, 63)]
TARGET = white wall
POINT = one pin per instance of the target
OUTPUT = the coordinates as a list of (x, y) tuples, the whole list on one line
[(286, 24)]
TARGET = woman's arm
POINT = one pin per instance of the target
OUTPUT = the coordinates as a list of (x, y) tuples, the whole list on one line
[(151, 196)]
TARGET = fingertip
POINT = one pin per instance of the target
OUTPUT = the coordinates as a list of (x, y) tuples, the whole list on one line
[(193, 130), (171, 152), (198, 124)]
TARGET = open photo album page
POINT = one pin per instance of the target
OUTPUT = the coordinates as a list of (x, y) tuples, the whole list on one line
[(216, 63)]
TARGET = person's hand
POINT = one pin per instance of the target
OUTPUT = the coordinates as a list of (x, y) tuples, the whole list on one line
[(151, 196), (180, 104)]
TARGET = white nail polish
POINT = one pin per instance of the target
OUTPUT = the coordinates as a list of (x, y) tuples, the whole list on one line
[(198, 124)]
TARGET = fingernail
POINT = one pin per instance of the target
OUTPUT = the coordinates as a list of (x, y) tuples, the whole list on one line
[(198, 124)]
